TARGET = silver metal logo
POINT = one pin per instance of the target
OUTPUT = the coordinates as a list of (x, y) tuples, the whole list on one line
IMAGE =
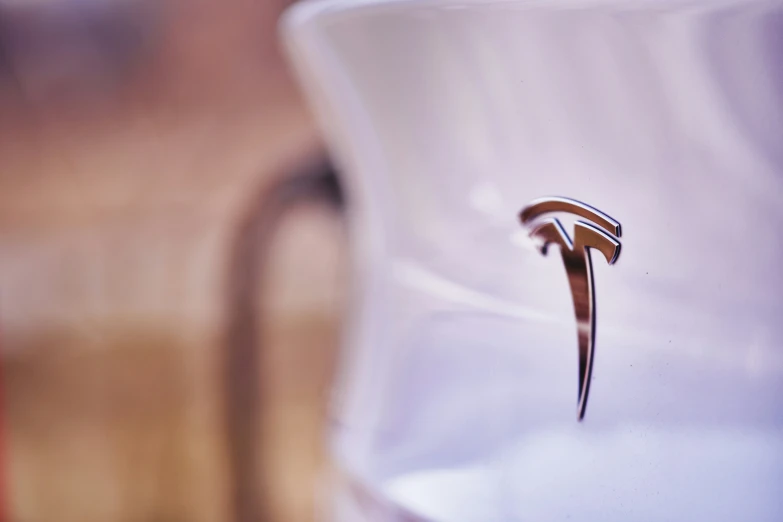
[(578, 265)]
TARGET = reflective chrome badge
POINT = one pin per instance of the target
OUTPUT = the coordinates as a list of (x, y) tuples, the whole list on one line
[(578, 265)]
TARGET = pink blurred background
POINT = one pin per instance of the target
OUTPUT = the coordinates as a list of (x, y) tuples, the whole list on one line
[(136, 139)]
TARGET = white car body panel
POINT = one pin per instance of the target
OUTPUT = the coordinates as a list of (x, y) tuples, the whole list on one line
[(457, 391)]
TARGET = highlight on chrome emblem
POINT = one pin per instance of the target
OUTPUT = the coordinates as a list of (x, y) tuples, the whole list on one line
[(600, 233)]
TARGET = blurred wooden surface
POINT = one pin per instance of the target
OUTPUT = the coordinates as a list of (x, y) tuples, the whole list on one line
[(117, 210)]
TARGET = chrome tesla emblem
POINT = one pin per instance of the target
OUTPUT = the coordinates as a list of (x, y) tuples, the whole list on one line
[(578, 265)]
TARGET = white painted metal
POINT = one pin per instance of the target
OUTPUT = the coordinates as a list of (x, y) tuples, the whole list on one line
[(458, 387)]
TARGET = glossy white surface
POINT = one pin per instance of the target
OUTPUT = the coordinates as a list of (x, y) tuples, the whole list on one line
[(459, 384)]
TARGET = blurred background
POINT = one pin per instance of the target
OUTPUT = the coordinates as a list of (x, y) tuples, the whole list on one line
[(166, 351)]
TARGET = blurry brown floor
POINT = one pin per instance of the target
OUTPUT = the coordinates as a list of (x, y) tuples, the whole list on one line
[(118, 208)]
